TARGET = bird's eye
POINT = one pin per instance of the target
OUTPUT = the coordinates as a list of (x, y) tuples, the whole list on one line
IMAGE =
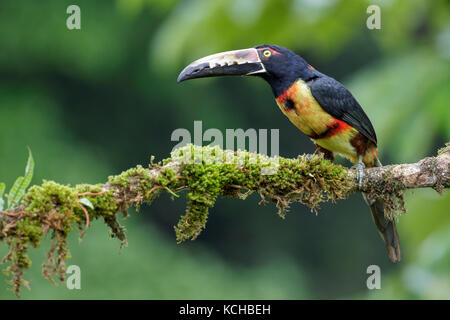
[(267, 53)]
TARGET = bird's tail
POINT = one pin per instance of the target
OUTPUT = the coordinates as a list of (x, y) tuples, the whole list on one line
[(386, 227)]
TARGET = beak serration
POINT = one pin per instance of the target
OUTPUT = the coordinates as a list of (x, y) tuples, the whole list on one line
[(236, 62)]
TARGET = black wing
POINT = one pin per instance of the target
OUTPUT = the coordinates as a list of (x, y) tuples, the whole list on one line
[(335, 99)]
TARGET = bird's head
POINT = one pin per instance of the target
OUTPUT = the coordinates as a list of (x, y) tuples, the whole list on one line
[(279, 66)]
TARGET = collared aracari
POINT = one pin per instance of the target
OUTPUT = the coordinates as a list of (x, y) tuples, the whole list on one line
[(318, 105)]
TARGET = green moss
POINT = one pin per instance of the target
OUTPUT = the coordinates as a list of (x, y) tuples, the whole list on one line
[(18, 260), (50, 196), (30, 230), (210, 172), (139, 186), (104, 204), (166, 177), (22, 260), (103, 201), (116, 230), (126, 178), (390, 191), (56, 207)]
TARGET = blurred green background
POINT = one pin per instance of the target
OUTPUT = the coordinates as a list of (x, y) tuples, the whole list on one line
[(96, 101)]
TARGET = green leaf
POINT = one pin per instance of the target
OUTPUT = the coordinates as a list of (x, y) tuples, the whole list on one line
[(171, 192), (87, 203), (21, 184), (2, 189), (14, 191), (29, 170)]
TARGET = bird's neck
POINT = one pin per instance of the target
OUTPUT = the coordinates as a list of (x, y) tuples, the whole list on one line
[(279, 85)]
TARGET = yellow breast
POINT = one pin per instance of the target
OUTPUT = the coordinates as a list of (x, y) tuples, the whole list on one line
[(303, 110)]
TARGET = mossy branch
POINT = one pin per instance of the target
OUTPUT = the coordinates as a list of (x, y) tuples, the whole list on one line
[(55, 209)]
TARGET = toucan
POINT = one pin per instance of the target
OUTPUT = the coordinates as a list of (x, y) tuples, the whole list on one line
[(318, 105)]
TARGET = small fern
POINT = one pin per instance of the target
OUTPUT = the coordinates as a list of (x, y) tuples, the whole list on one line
[(19, 187)]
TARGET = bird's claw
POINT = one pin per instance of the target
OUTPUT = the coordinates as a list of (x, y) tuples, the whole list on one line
[(359, 167)]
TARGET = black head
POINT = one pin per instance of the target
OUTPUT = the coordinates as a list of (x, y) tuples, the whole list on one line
[(279, 66), (283, 67)]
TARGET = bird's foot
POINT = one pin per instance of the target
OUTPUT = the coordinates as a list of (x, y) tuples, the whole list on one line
[(359, 167)]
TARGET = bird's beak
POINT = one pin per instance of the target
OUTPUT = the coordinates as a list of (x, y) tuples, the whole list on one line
[(230, 63)]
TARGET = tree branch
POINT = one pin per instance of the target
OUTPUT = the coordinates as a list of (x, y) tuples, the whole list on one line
[(207, 173), (430, 172)]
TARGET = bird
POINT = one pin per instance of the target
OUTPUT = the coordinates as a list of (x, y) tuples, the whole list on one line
[(318, 105)]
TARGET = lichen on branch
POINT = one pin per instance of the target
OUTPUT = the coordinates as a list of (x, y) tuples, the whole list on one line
[(207, 173)]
